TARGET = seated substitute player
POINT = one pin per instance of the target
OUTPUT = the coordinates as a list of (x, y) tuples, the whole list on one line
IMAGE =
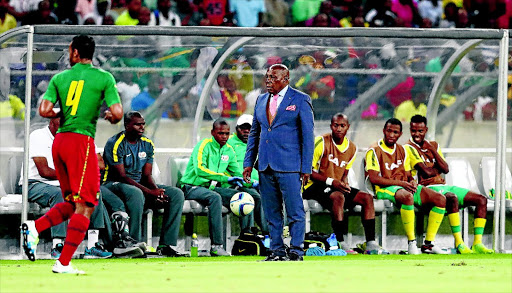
[(129, 159), (332, 159), (238, 141), (205, 178), (388, 165), (429, 174)]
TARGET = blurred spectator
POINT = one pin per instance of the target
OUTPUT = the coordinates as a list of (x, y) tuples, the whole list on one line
[(12, 107), (247, 13), (188, 12), (127, 89), (457, 3), (108, 20), (131, 15), (407, 10), (7, 21), (144, 16), (43, 15), (325, 8), (65, 12), (89, 21), (20, 8), (215, 10), (381, 15), (462, 19), (346, 8), (451, 16), (416, 105), (85, 7), (431, 9), (320, 20), (148, 97), (102, 9), (401, 92), (163, 15), (276, 13), (322, 95), (233, 103), (480, 13), (303, 10)]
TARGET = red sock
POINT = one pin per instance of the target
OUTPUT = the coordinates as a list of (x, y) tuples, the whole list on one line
[(56, 215), (76, 232)]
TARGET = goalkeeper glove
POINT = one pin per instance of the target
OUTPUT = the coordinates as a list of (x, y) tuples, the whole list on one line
[(238, 181)]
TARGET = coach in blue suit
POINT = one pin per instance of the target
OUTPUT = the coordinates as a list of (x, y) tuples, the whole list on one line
[(282, 140)]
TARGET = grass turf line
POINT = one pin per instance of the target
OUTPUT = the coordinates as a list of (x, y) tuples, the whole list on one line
[(358, 273)]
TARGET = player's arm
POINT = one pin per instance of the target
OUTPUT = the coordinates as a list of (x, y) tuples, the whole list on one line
[(44, 170), (440, 163), (416, 161), (373, 169), (46, 109), (101, 163), (252, 146), (114, 113)]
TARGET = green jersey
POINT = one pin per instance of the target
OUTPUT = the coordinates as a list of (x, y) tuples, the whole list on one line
[(80, 92), (210, 162), (240, 148)]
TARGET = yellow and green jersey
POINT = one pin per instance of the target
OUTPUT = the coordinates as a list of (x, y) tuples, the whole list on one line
[(211, 162), (80, 92)]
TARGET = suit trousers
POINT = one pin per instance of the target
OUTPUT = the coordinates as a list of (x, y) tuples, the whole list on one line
[(276, 188)]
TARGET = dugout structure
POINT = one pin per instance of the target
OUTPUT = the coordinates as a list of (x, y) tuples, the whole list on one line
[(365, 73)]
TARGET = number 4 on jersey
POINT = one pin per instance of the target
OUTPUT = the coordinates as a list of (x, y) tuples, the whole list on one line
[(74, 93)]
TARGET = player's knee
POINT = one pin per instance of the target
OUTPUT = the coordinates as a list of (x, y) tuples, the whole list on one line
[(175, 195), (481, 200), (214, 199), (404, 197), (367, 199), (337, 198), (451, 200)]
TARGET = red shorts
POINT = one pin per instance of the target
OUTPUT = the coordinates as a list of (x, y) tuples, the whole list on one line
[(76, 165)]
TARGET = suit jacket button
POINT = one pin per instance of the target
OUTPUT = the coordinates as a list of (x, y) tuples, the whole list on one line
[(269, 129), (266, 141)]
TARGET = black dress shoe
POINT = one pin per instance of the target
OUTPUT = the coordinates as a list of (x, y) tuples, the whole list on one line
[(293, 256), (274, 257), (166, 250)]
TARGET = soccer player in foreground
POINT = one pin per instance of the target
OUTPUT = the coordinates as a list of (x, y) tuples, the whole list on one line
[(80, 91), (429, 174), (389, 169), (332, 159)]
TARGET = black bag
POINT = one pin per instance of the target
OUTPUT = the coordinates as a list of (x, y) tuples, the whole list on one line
[(316, 237), (249, 243)]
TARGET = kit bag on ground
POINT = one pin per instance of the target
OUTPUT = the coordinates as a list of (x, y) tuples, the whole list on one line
[(249, 243), (316, 237)]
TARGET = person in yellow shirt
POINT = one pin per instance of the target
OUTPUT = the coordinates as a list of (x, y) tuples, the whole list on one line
[(131, 14), (416, 106), (12, 107), (7, 21)]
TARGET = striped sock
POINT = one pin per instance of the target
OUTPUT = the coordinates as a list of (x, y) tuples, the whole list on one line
[(407, 214), (479, 230), (435, 218), (56, 215), (76, 232), (454, 219)]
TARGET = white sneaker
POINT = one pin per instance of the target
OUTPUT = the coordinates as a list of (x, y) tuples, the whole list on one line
[(432, 249), (413, 248), (69, 269), (218, 250), (30, 239)]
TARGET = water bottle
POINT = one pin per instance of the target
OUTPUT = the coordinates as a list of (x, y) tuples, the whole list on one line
[(266, 242), (194, 246)]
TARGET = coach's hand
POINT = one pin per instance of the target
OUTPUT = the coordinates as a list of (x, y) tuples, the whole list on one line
[(305, 178), (247, 174)]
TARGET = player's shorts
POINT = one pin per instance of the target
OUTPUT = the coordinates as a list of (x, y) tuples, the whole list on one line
[(389, 193), (76, 165), (458, 191), (321, 193)]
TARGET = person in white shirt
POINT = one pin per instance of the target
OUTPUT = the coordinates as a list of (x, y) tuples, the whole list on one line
[(163, 15)]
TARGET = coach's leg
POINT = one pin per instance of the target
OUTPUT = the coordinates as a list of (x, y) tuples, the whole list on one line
[(172, 215), (134, 203), (290, 186), (111, 201), (272, 202), (259, 216), (47, 195)]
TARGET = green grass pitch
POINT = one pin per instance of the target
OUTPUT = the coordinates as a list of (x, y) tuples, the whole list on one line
[(356, 273)]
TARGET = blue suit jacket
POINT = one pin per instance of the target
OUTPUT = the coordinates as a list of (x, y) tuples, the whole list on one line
[(287, 144)]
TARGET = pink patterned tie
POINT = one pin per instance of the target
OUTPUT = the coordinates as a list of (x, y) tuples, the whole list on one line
[(273, 105)]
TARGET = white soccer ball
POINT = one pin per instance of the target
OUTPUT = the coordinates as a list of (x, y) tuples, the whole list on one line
[(241, 204)]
